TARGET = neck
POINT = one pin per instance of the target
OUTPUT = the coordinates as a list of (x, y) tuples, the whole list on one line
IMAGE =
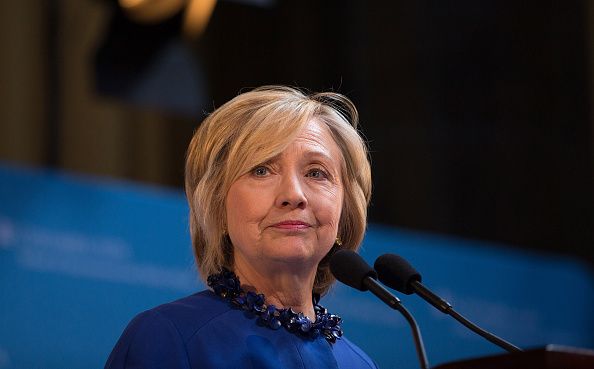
[(283, 288)]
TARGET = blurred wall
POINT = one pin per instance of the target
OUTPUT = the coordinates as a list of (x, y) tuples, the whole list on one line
[(50, 112), (478, 115)]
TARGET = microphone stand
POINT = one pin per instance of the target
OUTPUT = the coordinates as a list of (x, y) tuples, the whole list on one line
[(445, 307), (394, 302)]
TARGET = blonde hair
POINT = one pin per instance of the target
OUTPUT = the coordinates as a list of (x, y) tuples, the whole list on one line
[(251, 129)]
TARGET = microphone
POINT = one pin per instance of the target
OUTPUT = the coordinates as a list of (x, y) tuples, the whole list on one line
[(395, 272), (350, 268)]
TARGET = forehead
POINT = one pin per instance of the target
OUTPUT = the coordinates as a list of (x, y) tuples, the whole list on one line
[(271, 140), (315, 139)]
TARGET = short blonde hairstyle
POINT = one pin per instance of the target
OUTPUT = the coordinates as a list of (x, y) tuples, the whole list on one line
[(251, 129)]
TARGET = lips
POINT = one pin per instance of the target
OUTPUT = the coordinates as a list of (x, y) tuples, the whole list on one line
[(292, 224)]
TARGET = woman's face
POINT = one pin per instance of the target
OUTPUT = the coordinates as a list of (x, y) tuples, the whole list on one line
[(285, 213)]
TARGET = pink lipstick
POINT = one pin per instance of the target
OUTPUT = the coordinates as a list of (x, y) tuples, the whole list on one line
[(292, 225)]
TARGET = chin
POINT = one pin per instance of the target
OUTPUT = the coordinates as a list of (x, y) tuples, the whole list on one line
[(297, 253)]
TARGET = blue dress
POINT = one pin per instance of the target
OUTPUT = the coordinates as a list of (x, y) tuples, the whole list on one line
[(205, 331)]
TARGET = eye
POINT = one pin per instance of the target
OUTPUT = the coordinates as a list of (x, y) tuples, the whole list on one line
[(317, 173), (260, 171)]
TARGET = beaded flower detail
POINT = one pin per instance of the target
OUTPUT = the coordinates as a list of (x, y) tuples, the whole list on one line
[(226, 284)]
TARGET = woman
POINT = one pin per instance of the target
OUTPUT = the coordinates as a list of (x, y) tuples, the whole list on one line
[(276, 181)]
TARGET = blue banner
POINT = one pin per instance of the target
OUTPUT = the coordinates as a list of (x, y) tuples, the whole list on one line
[(80, 256)]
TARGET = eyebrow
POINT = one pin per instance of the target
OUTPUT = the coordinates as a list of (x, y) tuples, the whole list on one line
[(309, 155), (319, 154)]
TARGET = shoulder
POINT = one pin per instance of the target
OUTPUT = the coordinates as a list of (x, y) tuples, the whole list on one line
[(349, 355), (158, 337), (191, 313)]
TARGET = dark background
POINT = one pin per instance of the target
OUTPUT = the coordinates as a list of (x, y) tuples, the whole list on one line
[(478, 114)]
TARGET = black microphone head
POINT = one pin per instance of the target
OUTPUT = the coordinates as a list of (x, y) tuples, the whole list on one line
[(396, 273), (350, 268)]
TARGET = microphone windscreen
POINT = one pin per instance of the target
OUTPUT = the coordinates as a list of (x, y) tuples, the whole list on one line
[(350, 268), (395, 272)]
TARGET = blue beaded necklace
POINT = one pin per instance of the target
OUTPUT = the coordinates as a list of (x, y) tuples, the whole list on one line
[(226, 284)]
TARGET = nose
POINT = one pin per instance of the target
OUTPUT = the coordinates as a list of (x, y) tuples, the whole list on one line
[(290, 193)]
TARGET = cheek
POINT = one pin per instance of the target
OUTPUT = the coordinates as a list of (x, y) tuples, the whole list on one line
[(331, 208), (245, 205), (330, 220)]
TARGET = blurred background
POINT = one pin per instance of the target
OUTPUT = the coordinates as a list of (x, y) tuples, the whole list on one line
[(479, 117)]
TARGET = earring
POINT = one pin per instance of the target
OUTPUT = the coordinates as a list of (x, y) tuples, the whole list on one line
[(338, 241)]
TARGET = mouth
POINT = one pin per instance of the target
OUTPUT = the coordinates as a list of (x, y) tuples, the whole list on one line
[(292, 225)]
